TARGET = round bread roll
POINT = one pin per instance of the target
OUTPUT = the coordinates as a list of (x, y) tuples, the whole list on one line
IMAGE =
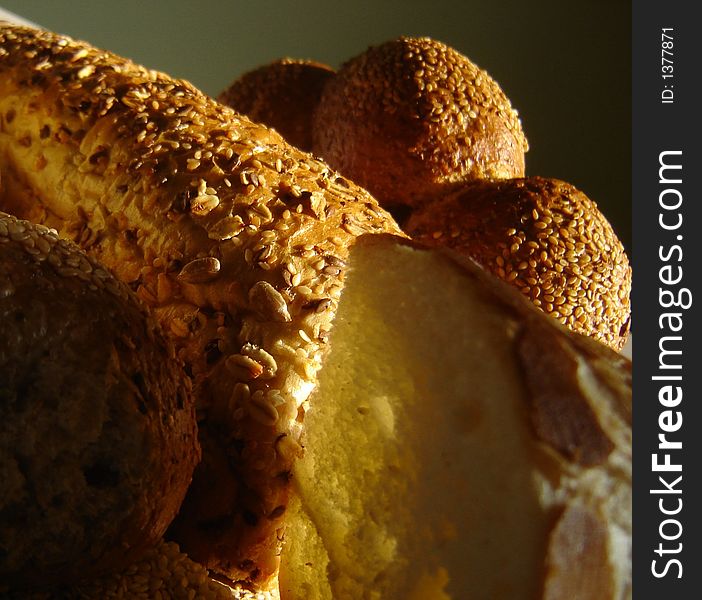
[(98, 438), (282, 95), (411, 118), (546, 238)]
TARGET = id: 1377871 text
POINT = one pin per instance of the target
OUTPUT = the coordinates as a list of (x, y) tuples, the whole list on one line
[(667, 65)]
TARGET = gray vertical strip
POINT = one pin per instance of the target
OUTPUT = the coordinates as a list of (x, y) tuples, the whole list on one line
[(666, 165)]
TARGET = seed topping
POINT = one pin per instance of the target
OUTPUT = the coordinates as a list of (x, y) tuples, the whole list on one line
[(200, 270)]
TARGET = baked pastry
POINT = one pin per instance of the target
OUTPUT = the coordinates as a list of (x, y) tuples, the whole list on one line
[(282, 95), (234, 239), (163, 572), (460, 444), (98, 438), (545, 237), (412, 118)]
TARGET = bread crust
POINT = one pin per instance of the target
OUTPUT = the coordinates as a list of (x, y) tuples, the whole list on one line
[(98, 437), (235, 239)]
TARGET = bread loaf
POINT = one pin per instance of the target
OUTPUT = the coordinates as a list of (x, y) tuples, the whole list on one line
[(283, 95), (98, 438), (546, 238), (412, 118), (235, 239), (485, 450)]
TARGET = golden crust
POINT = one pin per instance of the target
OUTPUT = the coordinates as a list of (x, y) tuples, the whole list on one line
[(545, 237), (201, 212), (163, 572), (282, 95), (98, 438), (411, 118)]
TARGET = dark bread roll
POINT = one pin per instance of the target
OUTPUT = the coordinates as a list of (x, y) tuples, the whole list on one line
[(412, 118), (282, 95), (98, 438), (545, 237)]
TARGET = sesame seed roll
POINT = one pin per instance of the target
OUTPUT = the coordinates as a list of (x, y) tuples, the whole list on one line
[(411, 118), (546, 238)]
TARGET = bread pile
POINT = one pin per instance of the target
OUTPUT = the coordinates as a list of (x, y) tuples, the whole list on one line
[(239, 245), (434, 138)]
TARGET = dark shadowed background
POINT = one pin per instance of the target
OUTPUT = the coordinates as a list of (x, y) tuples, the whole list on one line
[(566, 66)]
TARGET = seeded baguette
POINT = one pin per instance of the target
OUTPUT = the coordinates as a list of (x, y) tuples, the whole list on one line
[(283, 95), (235, 239), (98, 438)]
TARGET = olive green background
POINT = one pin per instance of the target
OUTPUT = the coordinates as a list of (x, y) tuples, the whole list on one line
[(565, 65)]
